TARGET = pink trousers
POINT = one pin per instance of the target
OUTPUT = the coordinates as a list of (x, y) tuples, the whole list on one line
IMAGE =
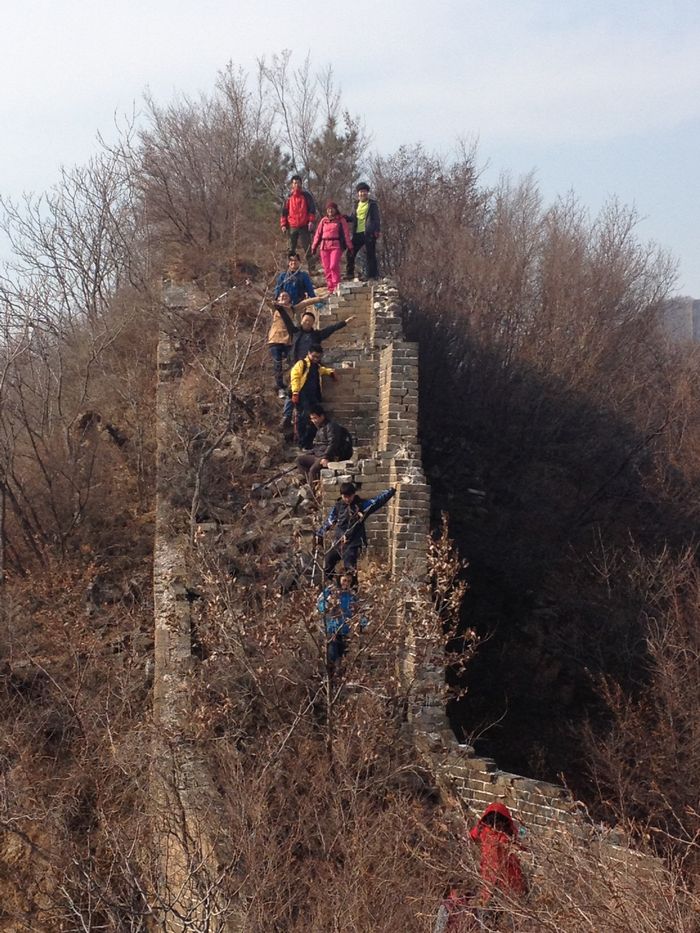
[(330, 260)]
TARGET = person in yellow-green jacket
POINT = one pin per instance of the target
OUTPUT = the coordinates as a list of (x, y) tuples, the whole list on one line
[(366, 227), (305, 380)]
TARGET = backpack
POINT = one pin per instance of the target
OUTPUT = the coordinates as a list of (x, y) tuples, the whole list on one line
[(345, 447)]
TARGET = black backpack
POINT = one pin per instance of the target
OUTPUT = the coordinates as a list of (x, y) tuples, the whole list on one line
[(345, 447)]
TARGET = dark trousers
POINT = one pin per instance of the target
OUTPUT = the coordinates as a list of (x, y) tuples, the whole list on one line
[(301, 235), (335, 647), (279, 352), (370, 244), (310, 466), (306, 429), (348, 554)]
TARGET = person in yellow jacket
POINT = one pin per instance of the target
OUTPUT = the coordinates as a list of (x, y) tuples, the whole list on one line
[(279, 339), (306, 380)]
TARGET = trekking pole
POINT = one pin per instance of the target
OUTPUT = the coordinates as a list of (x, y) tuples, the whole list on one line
[(256, 487), (315, 565), (219, 297), (341, 542)]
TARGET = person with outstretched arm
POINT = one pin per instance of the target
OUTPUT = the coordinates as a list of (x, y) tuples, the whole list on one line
[(303, 337), (347, 518), (306, 333), (279, 337)]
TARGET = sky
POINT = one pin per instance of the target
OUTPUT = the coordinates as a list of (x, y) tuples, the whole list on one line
[(601, 97)]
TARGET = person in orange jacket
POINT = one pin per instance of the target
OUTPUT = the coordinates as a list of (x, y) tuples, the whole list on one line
[(499, 866), (298, 216)]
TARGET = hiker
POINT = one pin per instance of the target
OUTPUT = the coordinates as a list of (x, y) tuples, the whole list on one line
[(305, 381), (338, 605), (303, 337), (332, 240), (295, 281), (348, 515), (306, 333), (279, 338), (298, 216), (331, 442), (499, 867), (366, 228), (456, 913)]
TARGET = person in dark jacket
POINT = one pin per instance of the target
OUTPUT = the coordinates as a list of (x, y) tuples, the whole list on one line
[(295, 281), (366, 228), (348, 517), (328, 443), (298, 216), (499, 866), (306, 333)]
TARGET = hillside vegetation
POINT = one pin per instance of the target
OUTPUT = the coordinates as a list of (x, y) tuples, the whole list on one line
[(561, 435)]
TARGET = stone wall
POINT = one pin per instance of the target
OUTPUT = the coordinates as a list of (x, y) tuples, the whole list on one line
[(376, 398), (184, 802)]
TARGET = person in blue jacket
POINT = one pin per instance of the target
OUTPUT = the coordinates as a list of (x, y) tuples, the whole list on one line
[(338, 605), (348, 517), (294, 281)]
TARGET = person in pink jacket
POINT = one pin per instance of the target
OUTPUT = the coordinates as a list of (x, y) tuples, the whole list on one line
[(332, 240)]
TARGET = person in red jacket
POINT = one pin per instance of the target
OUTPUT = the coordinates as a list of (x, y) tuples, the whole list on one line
[(298, 216), (499, 866)]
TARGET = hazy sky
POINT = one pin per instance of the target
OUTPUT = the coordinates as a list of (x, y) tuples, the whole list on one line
[(602, 96)]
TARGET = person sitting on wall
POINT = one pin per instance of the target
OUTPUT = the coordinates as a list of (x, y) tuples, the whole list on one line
[(348, 517), (331, 442)]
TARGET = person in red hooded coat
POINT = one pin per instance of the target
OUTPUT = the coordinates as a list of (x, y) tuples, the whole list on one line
[(499, 867)]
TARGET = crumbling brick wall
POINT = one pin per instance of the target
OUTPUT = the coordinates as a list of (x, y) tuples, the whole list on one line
[(376, 397)]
